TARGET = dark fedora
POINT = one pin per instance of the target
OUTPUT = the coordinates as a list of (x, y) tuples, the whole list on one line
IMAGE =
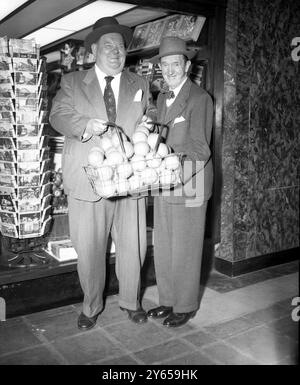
[(172, 45), (107, 25)]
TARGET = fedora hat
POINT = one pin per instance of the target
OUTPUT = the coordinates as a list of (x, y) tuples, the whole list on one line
[(107, 25), (172, 45)]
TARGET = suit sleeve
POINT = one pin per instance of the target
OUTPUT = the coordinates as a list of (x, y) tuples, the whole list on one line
[(63, 116), (196, 146)]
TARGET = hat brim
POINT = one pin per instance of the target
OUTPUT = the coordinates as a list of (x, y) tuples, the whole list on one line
[(188, 53), (95, 35)]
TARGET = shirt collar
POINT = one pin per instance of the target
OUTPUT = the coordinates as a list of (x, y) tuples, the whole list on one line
[(101, 75), (178, 88)]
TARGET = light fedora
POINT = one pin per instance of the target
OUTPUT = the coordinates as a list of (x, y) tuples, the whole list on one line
[(107, 25), (172, 45)]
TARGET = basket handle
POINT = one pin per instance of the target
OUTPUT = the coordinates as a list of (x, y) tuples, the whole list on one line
[(158, 127), (119, 130)]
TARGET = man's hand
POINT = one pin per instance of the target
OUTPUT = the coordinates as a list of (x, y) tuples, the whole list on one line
[(145, 122), (96, 127)]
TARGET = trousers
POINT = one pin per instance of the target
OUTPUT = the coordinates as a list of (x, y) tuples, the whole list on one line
[(91, 223)]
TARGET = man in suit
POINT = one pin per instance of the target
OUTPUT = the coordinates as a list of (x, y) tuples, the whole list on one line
[(80, 111), (179, 214)]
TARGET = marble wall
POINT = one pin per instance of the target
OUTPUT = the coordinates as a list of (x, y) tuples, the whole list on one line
[(261, 130)]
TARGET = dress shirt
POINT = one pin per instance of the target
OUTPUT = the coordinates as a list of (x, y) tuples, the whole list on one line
[(176, 92)]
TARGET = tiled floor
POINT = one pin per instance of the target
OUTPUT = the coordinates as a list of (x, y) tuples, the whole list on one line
[(242, 321)]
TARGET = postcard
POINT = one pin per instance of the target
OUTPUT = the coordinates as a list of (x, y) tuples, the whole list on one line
[(6, 105), (46, 189), (29, 223), (5, 63), (8, 218), (8, 180), (7, 144), (46, 213), (4, 45), (29, 193), (28, 143), (7, 130), (7, 203), (7, 117), (46, 201), (27, 104), (28, 129), (29, 180), (26, 64), (155, 33), (7, 168), (7, 156), (172, 24), (30, 205), (191, 27), (23, 47), (9, 230), (139, 37), (27, 78), (27, 156), (6, 90), (45, 178), (46, 226), (5, 77), (29, 167)]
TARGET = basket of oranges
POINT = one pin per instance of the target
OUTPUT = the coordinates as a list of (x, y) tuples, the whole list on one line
[(120, 167)]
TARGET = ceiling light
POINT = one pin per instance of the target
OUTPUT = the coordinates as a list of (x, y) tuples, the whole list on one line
[(8, 6), (76, 21)]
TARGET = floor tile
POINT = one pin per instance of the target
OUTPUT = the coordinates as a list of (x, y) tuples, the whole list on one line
[(269, 314), (87, 347), (136, 337), (160, 352), (286, 326), (227, 355), (195, 358), (39, 316), (200, 339), (230, 328), (264, 345), (122, 360), (54, 327), (14, 337), (36, 356)]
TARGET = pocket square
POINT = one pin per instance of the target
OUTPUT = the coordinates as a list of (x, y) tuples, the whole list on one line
[(179, 119), (138, 96)]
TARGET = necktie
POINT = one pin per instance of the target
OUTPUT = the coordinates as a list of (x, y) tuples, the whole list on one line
[(109, 100), (170, 94)]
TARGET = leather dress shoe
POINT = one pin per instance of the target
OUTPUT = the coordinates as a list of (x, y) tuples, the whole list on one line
[(178, 319), (138, 316), (160, 312), (86, 323)]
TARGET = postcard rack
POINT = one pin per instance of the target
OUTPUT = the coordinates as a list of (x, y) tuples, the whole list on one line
[(25, 187)]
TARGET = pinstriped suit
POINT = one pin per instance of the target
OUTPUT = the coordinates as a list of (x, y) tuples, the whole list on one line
[(179, 221), (92, 219)]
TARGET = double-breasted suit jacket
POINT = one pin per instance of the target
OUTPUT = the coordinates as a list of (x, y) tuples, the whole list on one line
[(79, 100)]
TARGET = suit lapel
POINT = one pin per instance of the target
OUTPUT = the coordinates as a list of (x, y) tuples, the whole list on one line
[(93, 92), (180, 102)]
